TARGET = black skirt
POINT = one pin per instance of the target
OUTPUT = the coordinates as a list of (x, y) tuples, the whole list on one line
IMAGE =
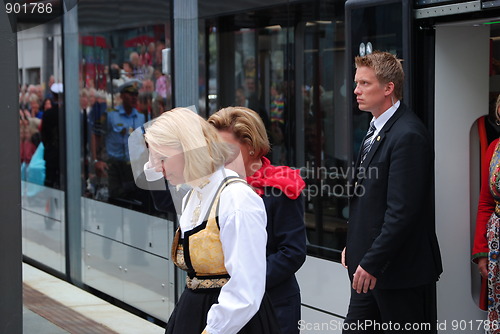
[(190, 314)]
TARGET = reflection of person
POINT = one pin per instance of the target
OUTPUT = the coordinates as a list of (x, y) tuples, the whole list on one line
[(163, 86), (392, 253), (251, 99), (30, 138), (222, 231), (280, 187), (239, 97), (50, 139), (277, 113), (115, 127), (486, 240)]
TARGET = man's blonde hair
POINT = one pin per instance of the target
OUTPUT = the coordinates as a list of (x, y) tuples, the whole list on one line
[(204, 151), (387, 69), (246, 125)]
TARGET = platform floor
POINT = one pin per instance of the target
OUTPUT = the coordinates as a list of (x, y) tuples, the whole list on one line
[(53, 306)]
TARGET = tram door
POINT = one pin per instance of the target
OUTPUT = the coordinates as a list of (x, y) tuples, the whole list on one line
[(288, 64), (462, 84), (248, 67), (376, 26)]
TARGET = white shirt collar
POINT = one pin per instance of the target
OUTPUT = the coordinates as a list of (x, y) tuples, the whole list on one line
[(204, 200), (214, 181), (380, 121)]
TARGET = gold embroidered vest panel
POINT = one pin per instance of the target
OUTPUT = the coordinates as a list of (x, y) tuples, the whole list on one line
[(200, 252)]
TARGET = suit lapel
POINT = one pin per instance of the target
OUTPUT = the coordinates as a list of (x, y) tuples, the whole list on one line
[(377, 142)]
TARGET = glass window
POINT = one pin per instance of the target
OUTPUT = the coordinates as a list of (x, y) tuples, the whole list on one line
[(42, 111), (122, 87), (287, 64), (325, 152), (41, 105)]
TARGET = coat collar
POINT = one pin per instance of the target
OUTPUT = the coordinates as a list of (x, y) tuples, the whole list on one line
[(380, 137)]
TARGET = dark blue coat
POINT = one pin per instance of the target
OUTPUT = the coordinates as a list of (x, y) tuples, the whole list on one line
[(286, 252)]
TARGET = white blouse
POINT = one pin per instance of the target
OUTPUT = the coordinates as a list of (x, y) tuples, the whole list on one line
[(242, 221)]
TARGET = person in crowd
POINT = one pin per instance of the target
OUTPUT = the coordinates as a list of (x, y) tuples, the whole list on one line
[(34, 106), (30, 138), (85, 113), (250, 70), (163, 87), (145, 104), (251, 93), (92, 92), (222, 234), (239, 97), (159, 46), (51, 139), (111, 131), (48, 91), (121, 75), (35, 125), (147, 86), (46, 105), (280, 187), (486, 240), (141, 71), (392, 252), (39, 92), (277, 131)]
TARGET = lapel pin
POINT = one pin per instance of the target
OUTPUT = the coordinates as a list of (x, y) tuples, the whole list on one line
[(378, 138)]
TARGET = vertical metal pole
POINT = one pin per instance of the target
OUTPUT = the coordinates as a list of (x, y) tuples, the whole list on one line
[(185, 53), (185, 71), (73, 190), (10, 179)]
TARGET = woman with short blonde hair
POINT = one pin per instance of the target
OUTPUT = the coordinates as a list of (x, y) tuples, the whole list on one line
[(246, 125), (203, 149), (280, 188), (221, 240)]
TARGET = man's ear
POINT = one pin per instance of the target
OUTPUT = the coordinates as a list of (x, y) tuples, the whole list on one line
[(389, 88)]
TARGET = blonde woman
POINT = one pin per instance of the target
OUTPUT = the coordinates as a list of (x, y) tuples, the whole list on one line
[(221, 240)]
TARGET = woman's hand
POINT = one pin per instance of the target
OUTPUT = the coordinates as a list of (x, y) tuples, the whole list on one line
[(482, 264)]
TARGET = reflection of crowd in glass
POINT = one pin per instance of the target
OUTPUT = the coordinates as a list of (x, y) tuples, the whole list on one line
[(143, 63), (154, 96), (138, 92), (32, 104), (34, 100)]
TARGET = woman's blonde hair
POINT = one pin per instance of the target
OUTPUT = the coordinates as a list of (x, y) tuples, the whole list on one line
[(204, 151), (246, 125)]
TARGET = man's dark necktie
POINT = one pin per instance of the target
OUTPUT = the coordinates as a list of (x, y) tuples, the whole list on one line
[(367, 143)]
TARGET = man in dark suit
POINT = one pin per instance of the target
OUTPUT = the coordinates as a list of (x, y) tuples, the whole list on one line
[(392, 254)]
